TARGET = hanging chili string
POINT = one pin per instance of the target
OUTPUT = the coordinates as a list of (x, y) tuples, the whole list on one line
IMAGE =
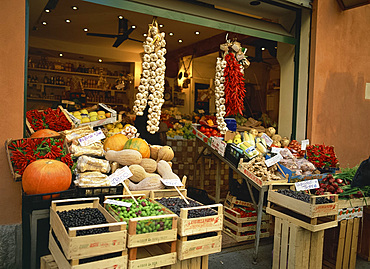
[(234, 86)]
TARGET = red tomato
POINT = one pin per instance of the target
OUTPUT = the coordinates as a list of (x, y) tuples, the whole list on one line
[(208, 130), (208, 134), (202, 129), (214, 133)]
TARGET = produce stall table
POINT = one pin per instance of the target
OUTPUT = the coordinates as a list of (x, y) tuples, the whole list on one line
[(200, 144)]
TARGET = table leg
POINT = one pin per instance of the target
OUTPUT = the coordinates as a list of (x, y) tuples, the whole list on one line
[(258, 230), (218, 180)]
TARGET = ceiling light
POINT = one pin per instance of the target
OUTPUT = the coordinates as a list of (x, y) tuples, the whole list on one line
[(133, 26), (180, 40), (120, 17), (255, 3), (197, 32), (74, 8), (263, 48), (61, 54), (170, 33), (47, 10), (276, 48), (161, 25), (44, 23), (68, 21), (100, 60), (144, 34), (86, 30)]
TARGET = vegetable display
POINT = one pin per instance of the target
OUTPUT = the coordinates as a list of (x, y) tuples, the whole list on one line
[(48, 119), (321, 156)]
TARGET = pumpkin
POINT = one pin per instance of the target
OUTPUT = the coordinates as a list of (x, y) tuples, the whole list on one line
[(115, 142), (44, 133), (140, 145), (46, 176)]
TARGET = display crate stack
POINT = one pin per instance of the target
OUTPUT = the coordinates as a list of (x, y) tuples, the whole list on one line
[(69, 250), (242, 228), (153, 249), (299, 229)]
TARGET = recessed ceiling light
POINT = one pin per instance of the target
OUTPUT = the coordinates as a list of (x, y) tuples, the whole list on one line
[(197, 32), (74, 8), (100, 60), (61, 54), (180, 40), (133, 26), (144, 34), (86, 30), (276, 48), (47, 10), (68, 21), (161, 25), (170, 33), (44, 23), (120, 17), (255, 3), (263, 48)]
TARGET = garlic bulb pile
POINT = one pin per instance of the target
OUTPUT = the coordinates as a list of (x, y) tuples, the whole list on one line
[(151, 89), (220, 95), (130, 131)]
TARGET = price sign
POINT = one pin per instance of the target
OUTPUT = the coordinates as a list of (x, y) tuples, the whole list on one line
[(307, 185), (304, 144), (176, 182), (178, 117), (276, 150), (115, 202), (270, 162), (251, 148), (267, 139), (91, 138), (119, 176)]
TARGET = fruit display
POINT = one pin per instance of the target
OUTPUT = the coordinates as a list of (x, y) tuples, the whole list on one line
[(53, 119), (300, 195), (145, 208), (96, 115), (210, 131), (298, 166), (128, 130), (184, 129), (83, 217), (258, 167), (85, 116), (175, 204)]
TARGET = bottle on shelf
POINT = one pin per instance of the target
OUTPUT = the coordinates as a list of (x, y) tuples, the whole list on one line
[(46, 79)]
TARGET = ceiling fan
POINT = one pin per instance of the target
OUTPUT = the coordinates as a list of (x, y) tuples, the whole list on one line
[(123, 32)]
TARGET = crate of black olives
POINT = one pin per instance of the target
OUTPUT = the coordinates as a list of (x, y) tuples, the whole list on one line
[(194, 218), (312, 206), (149, 223), (85, 229)]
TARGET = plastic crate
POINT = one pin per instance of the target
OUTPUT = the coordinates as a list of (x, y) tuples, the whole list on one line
[(234, 154)]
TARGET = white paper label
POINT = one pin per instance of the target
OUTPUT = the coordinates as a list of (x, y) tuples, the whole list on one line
[(277, 158), (201, 111), (251, 148), (267, 139), (304, 144), (172, 182), (91, 138), (307, 185), (178, 117), (115, 202), (119, 176), (276, 150)]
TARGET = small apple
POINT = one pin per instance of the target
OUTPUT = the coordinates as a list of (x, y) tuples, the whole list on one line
[(93, 118), (108, 115), (76, 113), (93, 113), (84, 111), (85, 120)]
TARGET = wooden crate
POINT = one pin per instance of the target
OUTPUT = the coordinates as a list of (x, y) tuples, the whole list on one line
[(232, 201), (77, 247), (153, 256), (241, 228), (48, 262), (193, 263), (236, 216), (364, 242), (135, 240), (119, 261), (295, 247), (239, 237), (187, 248), (343, 242)]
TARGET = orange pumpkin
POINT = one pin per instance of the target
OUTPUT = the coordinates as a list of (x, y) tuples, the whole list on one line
[(115, 142), (44, 133), (46, 176), (140, 145)]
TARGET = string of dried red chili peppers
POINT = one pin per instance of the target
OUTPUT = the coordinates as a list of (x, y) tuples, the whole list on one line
[(234, 86), (27, 150), (48, 119)]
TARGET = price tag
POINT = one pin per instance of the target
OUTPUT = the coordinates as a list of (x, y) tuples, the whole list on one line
[(201, 111), (91, 138), (115, 202), (270, 162), (267, 139), (307, 185), (119, 176), (178, 117), (251, 148), (276, 150), (172, 182), (304, 144)]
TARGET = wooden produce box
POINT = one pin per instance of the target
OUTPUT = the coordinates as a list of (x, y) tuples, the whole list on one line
[(190, 248), (77, 247), (311, 216), (364, 242), (258, 180), (153, 256), (236, 216), (48, 262), (98, 262), (244, 227), (100, 106), (232, 201), (240, 237), (192, 263), (295, 247), (135, 240)]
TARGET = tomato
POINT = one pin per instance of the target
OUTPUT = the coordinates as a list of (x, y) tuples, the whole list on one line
[(208, 130), (214, 133), (208, 134), (202, 129)]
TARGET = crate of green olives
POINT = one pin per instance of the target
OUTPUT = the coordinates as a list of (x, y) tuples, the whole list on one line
[(85, 229), (149, 223)]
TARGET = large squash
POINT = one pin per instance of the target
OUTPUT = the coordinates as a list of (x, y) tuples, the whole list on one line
[(44, 133), (140, 145), (115, 142), (46, 176)]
